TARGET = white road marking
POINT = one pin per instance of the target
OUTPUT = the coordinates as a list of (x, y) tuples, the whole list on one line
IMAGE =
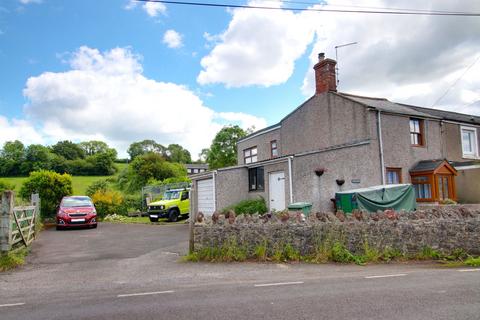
[(12, 304), (387, 276), (143, 294), (468, 270), (278, 284)]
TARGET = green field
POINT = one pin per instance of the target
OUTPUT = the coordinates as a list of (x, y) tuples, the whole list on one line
[(80, 183)]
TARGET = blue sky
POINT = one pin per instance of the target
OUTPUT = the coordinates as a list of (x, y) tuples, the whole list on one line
[(215, 67)]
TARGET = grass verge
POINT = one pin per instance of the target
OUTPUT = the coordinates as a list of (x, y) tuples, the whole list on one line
[(13, 259)]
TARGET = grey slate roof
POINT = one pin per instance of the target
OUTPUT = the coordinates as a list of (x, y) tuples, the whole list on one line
[(426, 165), (447, 115), (383, 104), (197, 166)]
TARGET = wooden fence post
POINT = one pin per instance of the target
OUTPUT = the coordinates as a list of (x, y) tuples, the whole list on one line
[(5, 221), (35, 201)]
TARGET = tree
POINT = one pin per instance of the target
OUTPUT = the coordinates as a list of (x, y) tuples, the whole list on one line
[(145, 146), (147, 167), (37, 157), (12, 156), (176, 153), (223, 151), (51, 187), (68, 150), (93, 147)]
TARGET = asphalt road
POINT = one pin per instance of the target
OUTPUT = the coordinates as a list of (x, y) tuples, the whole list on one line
[(133, 272)]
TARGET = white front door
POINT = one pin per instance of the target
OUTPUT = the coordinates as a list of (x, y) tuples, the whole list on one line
[(205, 197), (277, 190)]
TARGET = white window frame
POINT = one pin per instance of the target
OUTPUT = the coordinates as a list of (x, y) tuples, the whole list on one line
[(474, 154)]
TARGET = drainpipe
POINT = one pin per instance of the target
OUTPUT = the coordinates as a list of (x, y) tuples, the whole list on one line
[(214, 191), (442, 139), (290, 175), (380, 142)]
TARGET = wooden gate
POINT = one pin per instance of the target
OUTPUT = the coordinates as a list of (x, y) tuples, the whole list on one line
[(17, 225)]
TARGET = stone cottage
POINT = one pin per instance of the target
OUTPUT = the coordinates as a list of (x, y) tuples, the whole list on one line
[(337, 141)]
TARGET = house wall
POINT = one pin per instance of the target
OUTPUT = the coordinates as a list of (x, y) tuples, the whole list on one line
[(262, 142), (398, 151), (324, 120), (467, 183), (453, 141), (231, 186), (354, 164)]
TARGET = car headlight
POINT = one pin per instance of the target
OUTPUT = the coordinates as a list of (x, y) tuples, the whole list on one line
[(162, 207)]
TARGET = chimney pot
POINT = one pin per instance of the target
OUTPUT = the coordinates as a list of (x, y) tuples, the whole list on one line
[(321, 56)]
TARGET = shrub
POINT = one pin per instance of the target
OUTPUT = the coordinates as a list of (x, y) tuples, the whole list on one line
[(51, 187), (109, 202), (249, 206), (99, 185), (133, 202), (473, 262), (4, 185)]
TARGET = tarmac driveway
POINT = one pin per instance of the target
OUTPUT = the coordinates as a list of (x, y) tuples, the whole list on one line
[(108, 241)]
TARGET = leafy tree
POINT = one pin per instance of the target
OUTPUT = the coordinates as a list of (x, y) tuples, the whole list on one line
[(103, 163), (145, 146), (176, 153), (93, 147), (51, 186), (13, 150), (68, 150), (37, 157), (99, 185), (223, 151), (147, 167)]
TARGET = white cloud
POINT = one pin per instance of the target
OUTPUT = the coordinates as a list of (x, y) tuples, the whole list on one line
[(409, 58), (18, 130), (153, 9), (242, 119), (172, 39), (259, 47), (105, 96)]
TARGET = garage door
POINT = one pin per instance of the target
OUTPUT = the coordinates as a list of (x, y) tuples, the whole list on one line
[(205, 197)]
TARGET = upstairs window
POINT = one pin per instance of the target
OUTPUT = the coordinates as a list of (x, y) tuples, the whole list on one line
[(417, 137), (394, 175), (274, 148), (469, 142), (256, 180), (250, 155)]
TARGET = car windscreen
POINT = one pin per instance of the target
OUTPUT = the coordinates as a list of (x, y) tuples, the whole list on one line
[(77, 202), (170, 195)]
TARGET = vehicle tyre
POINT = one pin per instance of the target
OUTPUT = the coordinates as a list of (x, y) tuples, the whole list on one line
[(59, 228), (153, 219), (94, 226), (173, 215)]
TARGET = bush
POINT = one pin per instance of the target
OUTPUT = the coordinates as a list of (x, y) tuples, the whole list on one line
[(249, 206), (4, 185), (99, 185), (51, 187), (109, 203), (133, 202)]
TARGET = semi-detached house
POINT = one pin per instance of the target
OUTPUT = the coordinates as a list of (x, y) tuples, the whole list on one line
[(337, 141)]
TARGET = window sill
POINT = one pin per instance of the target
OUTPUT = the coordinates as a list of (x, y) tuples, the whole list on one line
[(470, 157)]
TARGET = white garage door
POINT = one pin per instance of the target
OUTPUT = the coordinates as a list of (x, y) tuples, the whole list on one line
[(205, 197)]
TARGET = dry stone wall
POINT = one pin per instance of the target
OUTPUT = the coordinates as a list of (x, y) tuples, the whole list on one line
[(444, 229)]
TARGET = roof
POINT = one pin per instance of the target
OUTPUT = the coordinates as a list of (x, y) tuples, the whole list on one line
[(426, 165), (383, 104), (196, 165), (447, 115)]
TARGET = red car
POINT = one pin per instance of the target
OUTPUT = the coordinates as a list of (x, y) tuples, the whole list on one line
[(76, 211)]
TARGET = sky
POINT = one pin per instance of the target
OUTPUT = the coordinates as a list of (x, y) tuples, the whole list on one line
[(123, 71)]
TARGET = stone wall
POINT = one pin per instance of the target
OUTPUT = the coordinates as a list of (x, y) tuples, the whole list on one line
[(443, 228)]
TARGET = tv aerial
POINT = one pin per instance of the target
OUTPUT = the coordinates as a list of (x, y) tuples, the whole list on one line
[(336, 56)]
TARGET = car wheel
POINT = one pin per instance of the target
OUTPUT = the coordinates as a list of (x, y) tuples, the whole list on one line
[(173, 215), (59, 228), (94, 226), (153, 219)]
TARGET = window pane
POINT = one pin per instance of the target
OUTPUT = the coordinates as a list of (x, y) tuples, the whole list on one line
[(246, 153), (274, 145), (467, 141), (254, 151), (248, 160), (254, 159), (260, 178), (412, 125), (274, 152)]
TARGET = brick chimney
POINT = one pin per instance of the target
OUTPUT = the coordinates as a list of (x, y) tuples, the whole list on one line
[(325, 78)]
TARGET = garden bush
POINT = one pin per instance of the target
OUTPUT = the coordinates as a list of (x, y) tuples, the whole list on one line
[(249, 206), (4, 185), (98, 185), (51, 187), (109, 202)]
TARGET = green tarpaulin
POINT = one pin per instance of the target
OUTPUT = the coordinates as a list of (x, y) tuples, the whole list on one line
[(395, 196)]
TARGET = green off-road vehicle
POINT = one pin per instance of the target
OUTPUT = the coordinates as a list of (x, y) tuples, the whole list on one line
[(174, 203)]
